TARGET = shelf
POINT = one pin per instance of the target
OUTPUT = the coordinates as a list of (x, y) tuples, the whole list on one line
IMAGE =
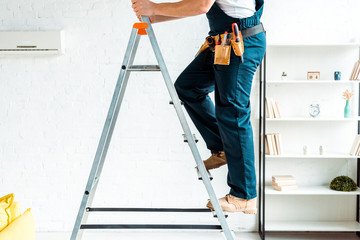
[(310, 190), (326, 226), (355, 44), (283, 119), (279, 53), (326, 156), (314, 82)]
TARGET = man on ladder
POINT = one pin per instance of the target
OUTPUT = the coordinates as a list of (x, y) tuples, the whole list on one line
[(225, 127)]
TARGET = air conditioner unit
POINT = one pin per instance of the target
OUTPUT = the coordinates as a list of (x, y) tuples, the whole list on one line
[(31, 42)]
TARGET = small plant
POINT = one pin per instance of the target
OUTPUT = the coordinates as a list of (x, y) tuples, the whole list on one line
[(347, 94), (343, 183)]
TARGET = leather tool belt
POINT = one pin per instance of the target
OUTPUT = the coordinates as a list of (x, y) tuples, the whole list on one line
[(222, 51)]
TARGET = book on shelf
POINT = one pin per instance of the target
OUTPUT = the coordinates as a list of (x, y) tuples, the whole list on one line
[(284, 182), (356, 71), (273, 140), (282, 177), (273, 144), (285, 188), (355, 148), (271, 108)]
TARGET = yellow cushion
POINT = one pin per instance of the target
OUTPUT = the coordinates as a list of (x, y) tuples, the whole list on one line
[(23, 228), (15, 211), (5, 215)]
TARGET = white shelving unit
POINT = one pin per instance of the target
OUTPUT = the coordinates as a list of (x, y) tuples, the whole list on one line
[(311, 206), (313, 82), (325, 156), (299, 119), (316, 226), (311, 190)]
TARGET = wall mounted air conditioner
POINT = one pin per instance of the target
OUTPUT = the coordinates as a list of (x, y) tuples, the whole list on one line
[(31, 42)]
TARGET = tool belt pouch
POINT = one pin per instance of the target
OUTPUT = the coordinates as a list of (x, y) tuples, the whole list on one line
[(202, 48), (222, 54), (238, 47)]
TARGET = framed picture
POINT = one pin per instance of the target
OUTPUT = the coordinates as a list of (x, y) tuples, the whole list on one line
[(313, 75)]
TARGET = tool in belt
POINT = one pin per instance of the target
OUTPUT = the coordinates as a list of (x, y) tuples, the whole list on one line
[(221, 44)]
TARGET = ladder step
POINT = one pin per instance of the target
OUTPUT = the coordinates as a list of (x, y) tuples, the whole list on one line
[(171, 102), (199, 175), (185, 138), (148, 226), (90, 209), (144, 68)]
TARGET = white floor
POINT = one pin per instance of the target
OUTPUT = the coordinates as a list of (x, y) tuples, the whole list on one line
[(188, 235)]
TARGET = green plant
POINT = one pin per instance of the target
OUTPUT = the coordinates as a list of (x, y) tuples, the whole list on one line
[(343, 183)]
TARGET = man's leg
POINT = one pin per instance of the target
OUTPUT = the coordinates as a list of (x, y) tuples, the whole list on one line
[(232, 105), (193, 86)]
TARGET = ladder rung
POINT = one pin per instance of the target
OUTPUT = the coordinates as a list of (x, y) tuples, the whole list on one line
[(199, 175), (148, 226), (171, 102), (185, 139), (144, 68), (90, 209)]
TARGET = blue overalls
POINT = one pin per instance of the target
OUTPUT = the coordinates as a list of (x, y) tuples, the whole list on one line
[(226, 126)]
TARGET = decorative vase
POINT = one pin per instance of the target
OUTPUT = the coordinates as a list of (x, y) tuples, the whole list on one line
[(347, 109)]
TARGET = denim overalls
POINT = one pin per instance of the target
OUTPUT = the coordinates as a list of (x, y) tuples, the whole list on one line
[(226, 126)]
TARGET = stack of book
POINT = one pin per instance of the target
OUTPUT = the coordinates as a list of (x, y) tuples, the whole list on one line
[(356, 71), (271, 108), (355, 148), (284, 182), (273, 144)]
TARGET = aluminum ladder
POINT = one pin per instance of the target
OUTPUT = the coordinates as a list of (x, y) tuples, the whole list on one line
[(138, 30)]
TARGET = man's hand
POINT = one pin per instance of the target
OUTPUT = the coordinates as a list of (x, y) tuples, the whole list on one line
[(143, 8)]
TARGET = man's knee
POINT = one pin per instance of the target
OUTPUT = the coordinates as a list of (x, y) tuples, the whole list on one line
[(180, 87), (233, 109)]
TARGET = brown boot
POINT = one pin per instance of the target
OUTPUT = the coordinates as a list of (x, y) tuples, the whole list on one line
[(230, 203), (216, 160)]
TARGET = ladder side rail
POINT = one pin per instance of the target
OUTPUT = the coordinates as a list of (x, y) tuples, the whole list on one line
[(105, 136), (191, 141)]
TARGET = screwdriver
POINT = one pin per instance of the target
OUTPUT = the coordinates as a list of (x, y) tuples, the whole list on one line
[(218, 42), (225, 38), (238, 37)]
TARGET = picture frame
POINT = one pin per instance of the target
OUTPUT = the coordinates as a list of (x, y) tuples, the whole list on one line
[(313, 75)]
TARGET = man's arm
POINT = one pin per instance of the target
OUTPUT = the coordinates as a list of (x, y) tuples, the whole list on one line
[(184, 8), (159, 18), (160, 12)]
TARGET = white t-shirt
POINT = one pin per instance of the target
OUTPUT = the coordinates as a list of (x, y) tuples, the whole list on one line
[(237, 8)]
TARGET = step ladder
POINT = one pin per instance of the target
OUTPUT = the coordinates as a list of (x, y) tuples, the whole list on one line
[(139, 29)]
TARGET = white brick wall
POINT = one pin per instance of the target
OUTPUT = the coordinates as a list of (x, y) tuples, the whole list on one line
[(53, 107)]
